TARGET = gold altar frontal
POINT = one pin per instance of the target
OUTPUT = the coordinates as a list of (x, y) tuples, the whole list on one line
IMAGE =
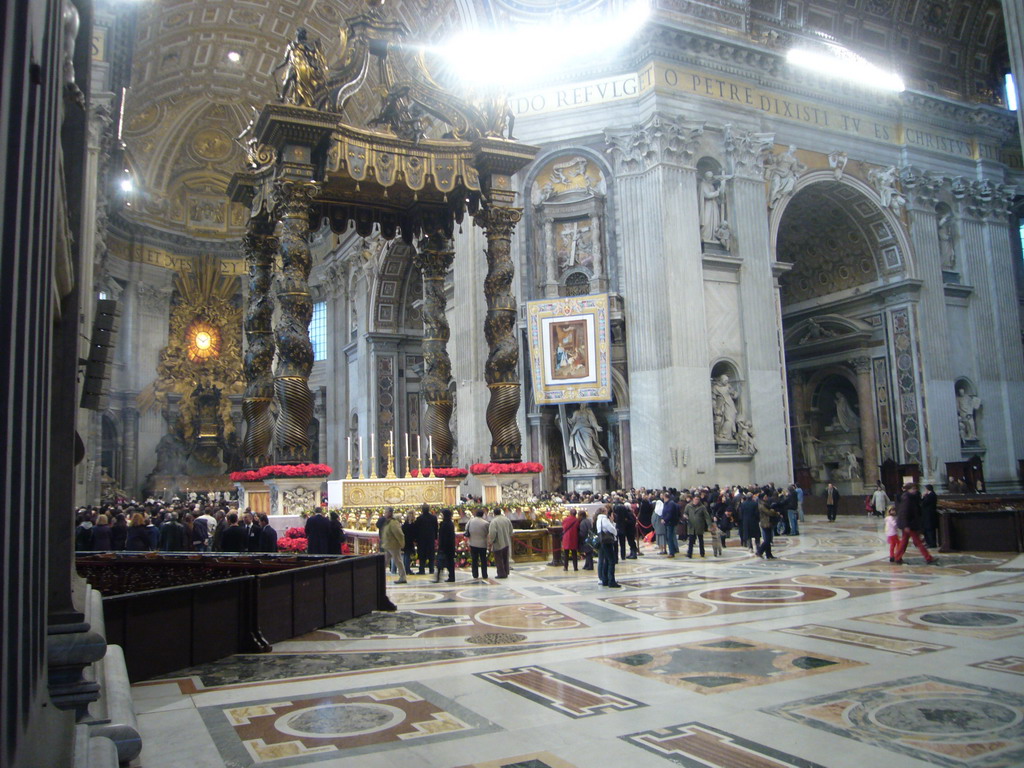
[(391, 492)]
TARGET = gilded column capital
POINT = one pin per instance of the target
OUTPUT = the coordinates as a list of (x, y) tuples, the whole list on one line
[(498, 220), (294, 196)]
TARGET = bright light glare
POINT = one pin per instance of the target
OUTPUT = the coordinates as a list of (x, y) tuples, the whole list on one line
[(1011, 93), (234, 56), (126, 185), (512, 58), (840, 62)]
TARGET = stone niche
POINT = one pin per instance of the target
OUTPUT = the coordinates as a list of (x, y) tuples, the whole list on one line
[(569, 196)]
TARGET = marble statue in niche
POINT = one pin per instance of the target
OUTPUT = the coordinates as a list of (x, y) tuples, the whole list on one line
[(947, 240), (724, 398), (712, 208), (783, 170), (967, 406), (585, 451), (846, 419)]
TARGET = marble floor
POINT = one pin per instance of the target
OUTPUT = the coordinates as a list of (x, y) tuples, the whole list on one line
[(828, 656)]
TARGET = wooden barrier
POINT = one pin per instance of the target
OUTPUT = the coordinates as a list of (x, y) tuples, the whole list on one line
[(271, 599)]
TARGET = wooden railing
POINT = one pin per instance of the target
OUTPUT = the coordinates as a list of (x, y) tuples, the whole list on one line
[(221, 605)]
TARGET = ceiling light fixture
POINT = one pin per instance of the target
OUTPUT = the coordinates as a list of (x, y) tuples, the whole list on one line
[(234, 56), (516, 57), (834, 60)]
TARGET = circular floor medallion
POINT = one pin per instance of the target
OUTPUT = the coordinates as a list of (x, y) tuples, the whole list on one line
[(769, 595), (331, 721), (958, 717)]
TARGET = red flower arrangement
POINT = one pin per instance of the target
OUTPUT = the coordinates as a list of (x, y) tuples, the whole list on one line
[(294, 540), (282, 470), (519, 468), (440, 472), (248, 476)]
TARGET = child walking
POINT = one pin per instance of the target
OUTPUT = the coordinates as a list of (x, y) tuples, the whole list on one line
[(716, 538), (892, 532)]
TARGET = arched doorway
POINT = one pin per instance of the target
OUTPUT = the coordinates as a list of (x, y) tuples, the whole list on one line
[(848, 308)]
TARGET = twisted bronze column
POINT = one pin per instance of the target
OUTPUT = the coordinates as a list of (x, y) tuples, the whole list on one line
[(500, 371), (434, 258), (294, 349), (260, 246)]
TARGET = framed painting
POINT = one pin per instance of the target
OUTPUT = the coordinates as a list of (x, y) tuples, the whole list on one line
[(570, 350)]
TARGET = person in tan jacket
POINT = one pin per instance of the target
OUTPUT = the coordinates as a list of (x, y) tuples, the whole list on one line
[(392, 539)]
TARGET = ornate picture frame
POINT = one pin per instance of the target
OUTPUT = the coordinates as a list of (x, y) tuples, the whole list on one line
[(570, 349)]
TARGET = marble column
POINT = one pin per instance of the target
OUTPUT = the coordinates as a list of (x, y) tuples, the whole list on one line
[(550, 258), (434, 258), (130, 447), (294, 349), (501, 369), (260, 246), (868, 431)]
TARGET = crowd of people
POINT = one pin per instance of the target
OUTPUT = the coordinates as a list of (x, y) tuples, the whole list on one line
[(611, 528), (176, 526)]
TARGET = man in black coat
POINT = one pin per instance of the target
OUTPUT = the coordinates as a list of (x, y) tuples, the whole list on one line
[(172, 535), (446, 545), (425, 531), (908, 520), (930, 516), (318, 531), (268, 536), (252, 532), (750, 516), (625, 524), (233, 537)]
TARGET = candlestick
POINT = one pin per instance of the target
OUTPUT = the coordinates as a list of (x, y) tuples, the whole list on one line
[(407, 455), (419, 455)]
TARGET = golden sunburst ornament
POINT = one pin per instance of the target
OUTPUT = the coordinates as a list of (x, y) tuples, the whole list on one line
[(203, 341)]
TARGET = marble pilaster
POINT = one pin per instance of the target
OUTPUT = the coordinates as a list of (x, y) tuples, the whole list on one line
[(670, 392), (868, 430), (760, 318)]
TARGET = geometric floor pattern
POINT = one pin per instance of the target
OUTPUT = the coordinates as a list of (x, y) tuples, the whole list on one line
[(941, 721), (827, 657)]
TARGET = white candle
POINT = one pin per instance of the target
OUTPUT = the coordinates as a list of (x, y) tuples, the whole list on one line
[(349, 440), (373, 444), (419, 455), (430, 449), (407, 448)]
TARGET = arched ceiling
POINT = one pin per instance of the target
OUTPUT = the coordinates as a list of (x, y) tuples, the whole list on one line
[(836, 239), (187, 100)]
